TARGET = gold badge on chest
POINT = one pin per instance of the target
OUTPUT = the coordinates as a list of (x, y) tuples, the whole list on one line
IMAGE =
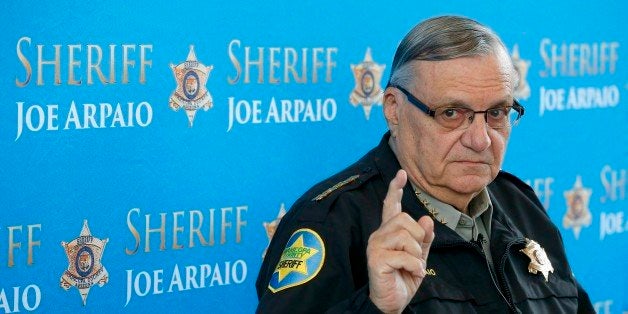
[(539, 262)]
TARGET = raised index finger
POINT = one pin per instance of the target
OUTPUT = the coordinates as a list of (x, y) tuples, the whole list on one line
[(392, 202), (427, 224)]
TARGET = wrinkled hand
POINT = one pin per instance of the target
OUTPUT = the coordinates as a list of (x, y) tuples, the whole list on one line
[(397, 252)]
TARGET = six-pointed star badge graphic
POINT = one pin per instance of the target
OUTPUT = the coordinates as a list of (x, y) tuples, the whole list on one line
[(191, 93), (84, 263)]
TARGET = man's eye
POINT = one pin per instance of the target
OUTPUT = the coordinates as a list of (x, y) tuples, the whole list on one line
[(497, 113), (451, 113)]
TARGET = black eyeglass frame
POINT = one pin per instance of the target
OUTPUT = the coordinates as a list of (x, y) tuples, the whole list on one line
[(432, 113)]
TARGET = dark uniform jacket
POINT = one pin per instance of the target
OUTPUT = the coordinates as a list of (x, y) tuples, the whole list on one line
[(345, 209)]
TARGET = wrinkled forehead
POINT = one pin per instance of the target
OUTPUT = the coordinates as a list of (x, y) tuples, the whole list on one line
[(496, 65), (476, 81)]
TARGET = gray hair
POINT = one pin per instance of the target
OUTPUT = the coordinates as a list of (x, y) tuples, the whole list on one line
[(442, 38)]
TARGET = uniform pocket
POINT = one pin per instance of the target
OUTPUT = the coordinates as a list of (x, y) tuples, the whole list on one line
[(533, 293), (441, 290)]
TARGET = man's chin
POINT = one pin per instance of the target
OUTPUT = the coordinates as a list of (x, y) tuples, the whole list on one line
[(470, 184)]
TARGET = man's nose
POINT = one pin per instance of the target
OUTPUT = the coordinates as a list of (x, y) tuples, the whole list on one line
[(476, 135)]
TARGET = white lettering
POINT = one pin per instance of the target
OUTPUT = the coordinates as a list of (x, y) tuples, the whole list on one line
[(614, 182), (578, 98), (195, 277), (118, 117), (157, 281), (298, 65), (28, 299), (81, 60), (280, 111), (72, 117), (81, 116), (147, 284), (242, 272), (190, 278), (542, 189), (105, 112), (611, 223), (551, 99), (176, 279), (578, 59), (603, 307), (142, 108), (217, 277), (40, 117)]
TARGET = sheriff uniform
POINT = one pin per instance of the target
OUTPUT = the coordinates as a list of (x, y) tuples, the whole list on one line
[(317, 261)]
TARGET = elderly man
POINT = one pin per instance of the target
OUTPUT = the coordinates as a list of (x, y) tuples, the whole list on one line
[(426, 222)]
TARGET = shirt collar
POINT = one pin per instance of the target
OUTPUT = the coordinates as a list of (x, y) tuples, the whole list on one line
[(479, 207)]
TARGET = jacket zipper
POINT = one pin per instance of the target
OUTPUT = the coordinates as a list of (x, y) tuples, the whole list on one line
[(503, 276), (506, 297)]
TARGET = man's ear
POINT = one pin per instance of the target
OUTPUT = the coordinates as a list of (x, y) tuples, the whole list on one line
[(391, 102)]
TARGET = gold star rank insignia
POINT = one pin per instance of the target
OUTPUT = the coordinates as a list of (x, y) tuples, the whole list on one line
[(84, 263), (367, 90), (539, 262), (191, 93), (300, 261)]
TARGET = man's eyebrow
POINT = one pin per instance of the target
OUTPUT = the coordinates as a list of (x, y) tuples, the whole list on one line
[(453, 103), (457, 103)]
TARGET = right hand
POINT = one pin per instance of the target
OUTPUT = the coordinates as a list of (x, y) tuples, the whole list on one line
[(397, 252)]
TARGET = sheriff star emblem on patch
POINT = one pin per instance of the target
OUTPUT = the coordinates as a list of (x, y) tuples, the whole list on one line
[(191, 93), (367, 90), (84, 263), (539, 262), (300, 261)]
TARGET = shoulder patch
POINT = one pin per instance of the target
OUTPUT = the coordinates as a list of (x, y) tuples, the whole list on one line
[(300, 261), (336, 186)]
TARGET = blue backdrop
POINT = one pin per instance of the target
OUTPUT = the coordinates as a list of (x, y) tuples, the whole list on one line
[(146, 149)]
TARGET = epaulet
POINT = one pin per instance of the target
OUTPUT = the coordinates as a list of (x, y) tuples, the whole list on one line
[(335, 187), (315, 204)]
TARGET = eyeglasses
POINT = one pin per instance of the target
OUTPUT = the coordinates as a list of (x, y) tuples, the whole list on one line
[(461, 117)]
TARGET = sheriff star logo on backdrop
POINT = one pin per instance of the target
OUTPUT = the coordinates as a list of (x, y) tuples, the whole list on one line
[(84, 263), (578, 214), (522, 90), (367, 90), (271, 226), (191, 93)]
